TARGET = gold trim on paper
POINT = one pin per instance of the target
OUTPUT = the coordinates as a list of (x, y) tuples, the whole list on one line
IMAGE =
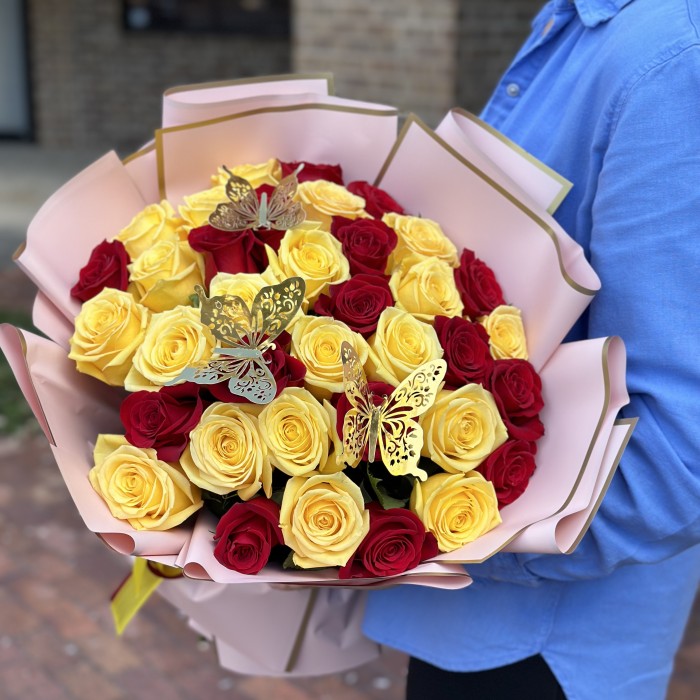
[(301, 632), (566, 185), (23, 347), (601, 420), (141, 152), (328, 77), (160, 156), (413, 119), (631, 424), (591, 445), (20, 249)]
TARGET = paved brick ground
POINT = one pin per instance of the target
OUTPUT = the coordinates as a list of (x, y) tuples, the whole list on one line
[(56, 635)]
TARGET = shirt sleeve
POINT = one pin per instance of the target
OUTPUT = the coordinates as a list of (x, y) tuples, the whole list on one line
[(645, 246)]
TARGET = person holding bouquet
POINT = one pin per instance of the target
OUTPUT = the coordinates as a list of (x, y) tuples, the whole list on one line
[(607, 93)]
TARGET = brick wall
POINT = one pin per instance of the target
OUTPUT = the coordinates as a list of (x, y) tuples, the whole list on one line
[(400, 52), (96, 85)]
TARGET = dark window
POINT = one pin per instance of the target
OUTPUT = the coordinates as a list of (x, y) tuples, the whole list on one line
[(259, 17)]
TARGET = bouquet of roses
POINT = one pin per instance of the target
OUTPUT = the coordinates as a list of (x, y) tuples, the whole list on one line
[(279, 430), (357, 381)]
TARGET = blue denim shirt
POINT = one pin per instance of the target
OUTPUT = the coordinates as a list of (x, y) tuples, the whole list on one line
[(606, 92)]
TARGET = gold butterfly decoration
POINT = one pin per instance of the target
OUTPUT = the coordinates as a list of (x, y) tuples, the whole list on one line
[(390, 424), (244, 211), (248, 333)]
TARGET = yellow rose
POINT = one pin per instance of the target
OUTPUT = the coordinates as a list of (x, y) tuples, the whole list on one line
[(140, 488), (401, 344), (323, 519), (314, 255), (418, 239), (506, 333), (173, 340), (157, 222), (462, 428), (296, 429), (108, 330), (226, 453), (316, 341), (245, 285), (164, 276), (197, 207), (426, 290), (268, 173), (322, 200), (337, 462), (456, 508)]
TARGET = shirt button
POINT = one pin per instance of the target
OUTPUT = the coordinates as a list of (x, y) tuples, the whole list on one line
[(513, 89)]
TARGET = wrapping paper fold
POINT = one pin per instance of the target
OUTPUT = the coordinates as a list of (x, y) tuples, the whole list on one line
[(486, 193), (477, 212), (193, 103), (48, 378), (503, 161), (287, 633), (292, 127)]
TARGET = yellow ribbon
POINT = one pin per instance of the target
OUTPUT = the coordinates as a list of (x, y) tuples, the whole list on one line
[(137, 588)]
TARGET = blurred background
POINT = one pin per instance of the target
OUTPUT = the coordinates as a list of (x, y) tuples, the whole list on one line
[(78, 78)]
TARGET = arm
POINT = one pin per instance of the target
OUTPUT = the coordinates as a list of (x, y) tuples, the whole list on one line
[(645, 245)]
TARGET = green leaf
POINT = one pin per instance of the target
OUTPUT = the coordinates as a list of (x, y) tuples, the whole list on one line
[(288, 563), (385, 499), (218, 505), (277, 497)]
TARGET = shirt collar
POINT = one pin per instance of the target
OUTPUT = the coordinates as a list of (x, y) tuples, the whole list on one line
[(595, 12)]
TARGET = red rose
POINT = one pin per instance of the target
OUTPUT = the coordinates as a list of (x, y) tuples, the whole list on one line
[(233, 251), (246, 534), (287, 371), (357, 302), (342, 405), (367, 243), (517, 389), (467, 352), (509, 469), (377, 201), (106, 267), (314, 171), (477, 286), (396, 542), (162, 419)]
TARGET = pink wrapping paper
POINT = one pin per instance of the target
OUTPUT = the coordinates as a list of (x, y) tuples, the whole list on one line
[(51, 322), (194, 103), (503, 161), (555, 285), (142, 168), (104, 195), (289, 632), (298, 127), (47, 377)]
